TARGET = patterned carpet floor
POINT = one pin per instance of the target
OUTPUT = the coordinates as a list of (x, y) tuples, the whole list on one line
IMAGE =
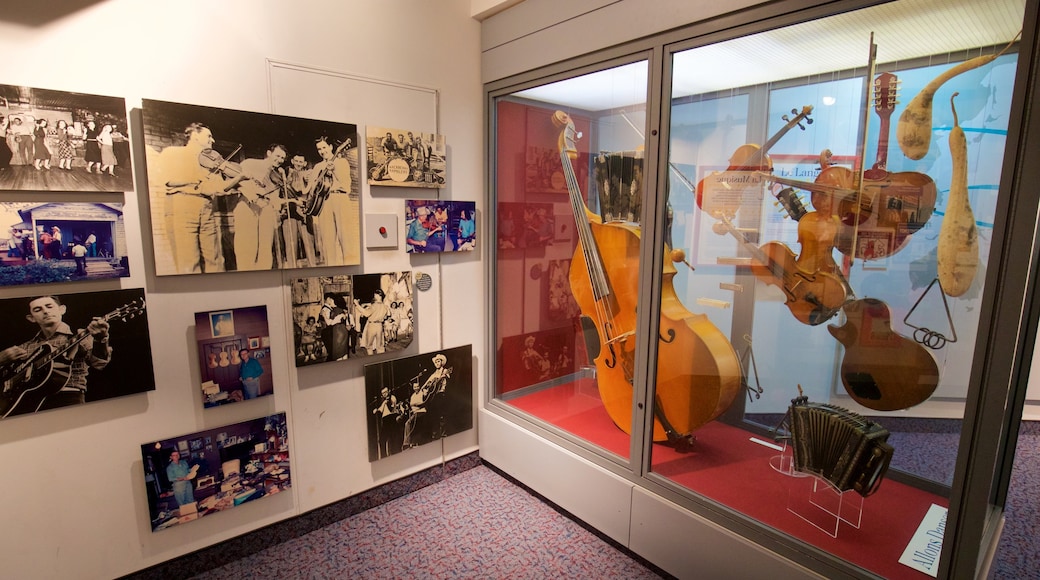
[(479, 524), (476, 524)]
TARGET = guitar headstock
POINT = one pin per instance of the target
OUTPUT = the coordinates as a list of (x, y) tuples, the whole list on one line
[(568, 136), (886, 90), (126, 311)]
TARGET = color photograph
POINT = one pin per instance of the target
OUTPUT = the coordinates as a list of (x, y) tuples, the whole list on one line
[(403, 158), (60, 141), (62, 242), (232, 363), (69, 349), (344, 317), (240, 191), (440, 226), (187, 479), (418, 400)]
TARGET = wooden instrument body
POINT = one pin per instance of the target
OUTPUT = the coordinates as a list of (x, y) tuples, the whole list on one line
[(698, 372), (895, 206), (39, 377), (881, 369), (812, 296)]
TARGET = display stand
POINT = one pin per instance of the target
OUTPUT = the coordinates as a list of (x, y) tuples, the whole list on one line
[(821, 504), (784, 463)]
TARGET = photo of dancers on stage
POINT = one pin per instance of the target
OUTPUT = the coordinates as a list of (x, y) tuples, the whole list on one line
[(60, 141)]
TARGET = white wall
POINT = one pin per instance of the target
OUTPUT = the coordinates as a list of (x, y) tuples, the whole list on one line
[(73, 494)]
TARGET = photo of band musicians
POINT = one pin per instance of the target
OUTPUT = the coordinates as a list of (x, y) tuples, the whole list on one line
[(61, 141), (405, 158), (69, 349), (417, 400), (440, 226), (238, 191), (344, 317)]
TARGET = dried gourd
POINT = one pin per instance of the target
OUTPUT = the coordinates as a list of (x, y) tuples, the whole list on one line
[(914, 129), (958, 258)]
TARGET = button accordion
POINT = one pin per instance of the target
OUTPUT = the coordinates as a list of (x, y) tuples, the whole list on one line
[(838, 445)]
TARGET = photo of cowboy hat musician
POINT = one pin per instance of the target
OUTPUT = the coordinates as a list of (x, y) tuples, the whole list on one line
[(238, 191)]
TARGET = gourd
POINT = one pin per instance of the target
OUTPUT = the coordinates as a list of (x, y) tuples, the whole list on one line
[(914, 130), (958, 258)]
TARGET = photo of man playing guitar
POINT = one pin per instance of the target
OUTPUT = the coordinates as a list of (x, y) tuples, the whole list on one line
[(62, 381)]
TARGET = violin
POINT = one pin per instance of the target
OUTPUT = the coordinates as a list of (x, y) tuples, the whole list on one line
[(215, 163), (747, 158), (698, 375)]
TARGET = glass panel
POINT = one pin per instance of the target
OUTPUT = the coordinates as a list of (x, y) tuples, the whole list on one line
[(568, 197), (837, 230)]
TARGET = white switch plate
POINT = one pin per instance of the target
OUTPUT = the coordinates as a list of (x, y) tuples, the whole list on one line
[(381, 230)]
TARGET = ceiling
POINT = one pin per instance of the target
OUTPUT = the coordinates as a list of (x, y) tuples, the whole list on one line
[(941, 30)]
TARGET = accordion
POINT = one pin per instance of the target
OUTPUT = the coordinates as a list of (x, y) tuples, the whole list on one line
[(838, 445)]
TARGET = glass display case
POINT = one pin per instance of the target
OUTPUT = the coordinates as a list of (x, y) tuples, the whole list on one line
[(766, 285)]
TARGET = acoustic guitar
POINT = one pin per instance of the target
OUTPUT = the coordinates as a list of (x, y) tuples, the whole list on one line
[(26, 383), (881, 369)]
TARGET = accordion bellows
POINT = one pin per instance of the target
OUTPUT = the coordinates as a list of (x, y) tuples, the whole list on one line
[(839, 446)]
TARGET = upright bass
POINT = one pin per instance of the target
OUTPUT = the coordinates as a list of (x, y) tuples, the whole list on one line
[(698, 373)]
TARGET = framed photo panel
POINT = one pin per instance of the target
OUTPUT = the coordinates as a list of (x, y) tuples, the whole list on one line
[(440, 226), (345, 317), (417, 400), (73, 349), (234, 365), (235, 191), (187, 479), (402, 158), (61, 141), (62, 242)]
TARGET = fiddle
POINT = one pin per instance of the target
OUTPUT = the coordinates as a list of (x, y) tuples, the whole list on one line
[(724, 189), (699, 373), (215, 163)]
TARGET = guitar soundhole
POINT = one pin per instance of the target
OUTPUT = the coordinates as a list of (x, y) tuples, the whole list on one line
[(863, 386)]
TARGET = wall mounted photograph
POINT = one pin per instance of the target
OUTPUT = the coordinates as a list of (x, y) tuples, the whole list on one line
[(200, 474), (418, 400), (62, 242), (241, 191), (529, 225), (233, 363), (61, 141), (403, 158), (69, 349), (440, 226), (340, 317)]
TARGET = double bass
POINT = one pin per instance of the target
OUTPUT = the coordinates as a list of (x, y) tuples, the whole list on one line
[(698, 374)]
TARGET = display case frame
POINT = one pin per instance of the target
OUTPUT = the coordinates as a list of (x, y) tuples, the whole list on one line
[(996, 389)]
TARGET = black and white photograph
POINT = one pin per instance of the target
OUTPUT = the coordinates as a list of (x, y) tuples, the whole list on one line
[(241, 191), (62, 242), (345, 317), (69, 349), (418, 400), (233, 364), (403, 158), (440, 226), (200, 474), (60, 141)]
